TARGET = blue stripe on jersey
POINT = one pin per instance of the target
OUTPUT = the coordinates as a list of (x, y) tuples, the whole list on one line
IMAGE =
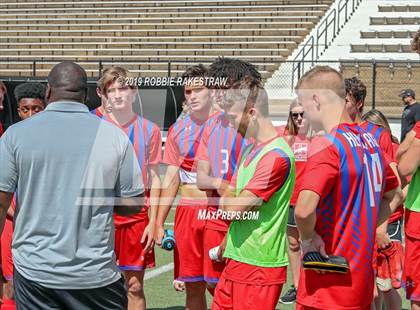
[(217, 152), (182, 133), (148, 139), (225, 146), (191, 139), (286, 157), (142, 142)]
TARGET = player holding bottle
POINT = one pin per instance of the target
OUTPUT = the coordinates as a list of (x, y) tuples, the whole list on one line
[(180, 157)]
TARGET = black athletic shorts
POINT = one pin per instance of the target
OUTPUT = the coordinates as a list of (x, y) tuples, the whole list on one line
[(30, 295)]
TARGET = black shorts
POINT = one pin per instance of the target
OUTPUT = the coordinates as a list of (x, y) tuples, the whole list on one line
[(394, 230), (30, 295), (291, 222)]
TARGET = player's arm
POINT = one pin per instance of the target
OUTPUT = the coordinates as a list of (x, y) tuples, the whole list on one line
[(246, 201), (410, 160), (149, 231), (402, 149), (129, 187), (206, 182), (5, 201), (168, 193), (270, 174)]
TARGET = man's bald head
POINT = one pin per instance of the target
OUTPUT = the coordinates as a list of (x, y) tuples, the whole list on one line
[(67, 81)]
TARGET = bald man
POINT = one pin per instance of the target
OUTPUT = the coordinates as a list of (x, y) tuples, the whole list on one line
[(68, 184), (347, 184)]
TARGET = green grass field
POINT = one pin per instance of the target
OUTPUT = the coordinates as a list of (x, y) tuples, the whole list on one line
[(161, 295)]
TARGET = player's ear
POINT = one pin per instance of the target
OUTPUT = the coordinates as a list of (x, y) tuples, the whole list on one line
[(252, 114), (316, 100), (48, 93)]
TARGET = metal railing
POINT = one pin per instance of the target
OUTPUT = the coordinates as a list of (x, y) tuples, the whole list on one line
[(326, 33)]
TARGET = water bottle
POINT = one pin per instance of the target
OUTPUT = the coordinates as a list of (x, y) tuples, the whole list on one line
[(168, 241)]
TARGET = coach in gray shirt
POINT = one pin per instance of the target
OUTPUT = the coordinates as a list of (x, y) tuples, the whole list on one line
[(69, 171)]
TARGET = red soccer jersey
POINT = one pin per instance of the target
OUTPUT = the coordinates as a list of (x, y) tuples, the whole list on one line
[(97, 112), (182, 145), (300, 147), (349, 172), (417, 129), (221, 146), (381, 135), (147, 141)]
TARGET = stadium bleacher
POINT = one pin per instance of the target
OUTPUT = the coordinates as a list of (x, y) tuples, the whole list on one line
[(151, 32)]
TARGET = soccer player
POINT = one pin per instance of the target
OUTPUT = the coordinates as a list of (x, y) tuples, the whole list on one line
[(134, 235), (180, 157), (105, 106), (346, 193), (409, 164), (355, 100), (218, 155), (298, 135), (30, 98), (256, 248), (389, 237)]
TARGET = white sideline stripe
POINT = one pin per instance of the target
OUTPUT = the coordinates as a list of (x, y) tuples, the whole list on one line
[(170, 224), (158, 271)]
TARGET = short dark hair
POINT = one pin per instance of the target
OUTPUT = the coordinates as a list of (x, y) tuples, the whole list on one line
[(233, 69), (252, 91), (33, 90), (195, 71), (356, 88)]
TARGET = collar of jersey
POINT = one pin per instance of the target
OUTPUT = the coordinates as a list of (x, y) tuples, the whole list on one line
[(67, 106)]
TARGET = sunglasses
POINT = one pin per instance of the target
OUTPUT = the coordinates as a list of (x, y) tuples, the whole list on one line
[(296, 114)]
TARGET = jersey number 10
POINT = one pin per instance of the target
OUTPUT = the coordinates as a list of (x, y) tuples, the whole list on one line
[(374, 176)]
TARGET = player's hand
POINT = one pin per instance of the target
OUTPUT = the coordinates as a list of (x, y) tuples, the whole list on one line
[(179, 286), (148, 235), (315, 244), (223, 187), (382, 238), (221, 250), (159, 234)]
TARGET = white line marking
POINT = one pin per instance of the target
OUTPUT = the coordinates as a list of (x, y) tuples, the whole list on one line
[(158, 271)]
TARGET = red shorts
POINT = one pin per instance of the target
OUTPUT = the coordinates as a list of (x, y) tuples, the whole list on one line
[(6, 250), (302, 307), (234, 295), (189, 234), (411, 276), (212, 269), (128, 249)]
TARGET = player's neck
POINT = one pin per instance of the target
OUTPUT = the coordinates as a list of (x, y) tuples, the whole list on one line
[(266, 131), (203, 114), (122, 117), (335, 118), (358, 119)]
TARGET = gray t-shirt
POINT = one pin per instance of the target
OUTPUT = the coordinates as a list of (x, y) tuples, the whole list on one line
[(66, 165)]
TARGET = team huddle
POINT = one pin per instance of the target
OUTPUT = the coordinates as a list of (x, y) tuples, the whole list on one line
[(329, 189)]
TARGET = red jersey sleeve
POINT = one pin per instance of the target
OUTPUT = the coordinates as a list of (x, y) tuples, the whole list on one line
[(391, 180), (172, 155), (385, 142), (270, 174), (1, 129), (322, 168), (202, 153), (155, 150), (417, 129)]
